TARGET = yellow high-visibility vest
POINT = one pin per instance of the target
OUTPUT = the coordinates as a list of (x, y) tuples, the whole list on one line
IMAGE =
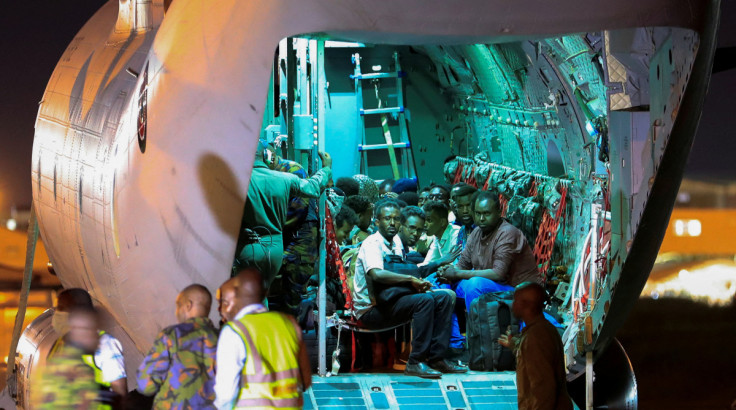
[(270, 378)]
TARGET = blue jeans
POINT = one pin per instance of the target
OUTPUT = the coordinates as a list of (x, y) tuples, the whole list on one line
[(470, 290)]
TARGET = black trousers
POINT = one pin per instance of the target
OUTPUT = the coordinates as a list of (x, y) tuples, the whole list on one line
[(430, 315)]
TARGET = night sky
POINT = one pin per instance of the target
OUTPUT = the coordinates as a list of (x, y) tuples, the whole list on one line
[(36, 32)]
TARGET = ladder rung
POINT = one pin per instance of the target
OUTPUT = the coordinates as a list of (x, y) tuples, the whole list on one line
[(373, 76), (382, 110), (362, 147)]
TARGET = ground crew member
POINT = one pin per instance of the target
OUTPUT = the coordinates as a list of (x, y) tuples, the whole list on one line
[(67, 382), (107, 362), (180, 368), (263, 362), (540, 368), (261, 241)]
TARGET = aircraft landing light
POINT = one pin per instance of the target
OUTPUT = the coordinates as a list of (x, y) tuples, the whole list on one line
[(690, 227)]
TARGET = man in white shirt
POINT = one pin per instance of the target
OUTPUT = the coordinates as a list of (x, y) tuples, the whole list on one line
[(447, 243), (441, 193), (429, 311), (278, 354), (446, 235)]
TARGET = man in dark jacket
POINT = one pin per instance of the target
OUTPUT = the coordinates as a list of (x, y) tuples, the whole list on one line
[(540, 360)]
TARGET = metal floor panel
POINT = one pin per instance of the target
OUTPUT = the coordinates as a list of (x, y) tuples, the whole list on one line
[(474, 390)]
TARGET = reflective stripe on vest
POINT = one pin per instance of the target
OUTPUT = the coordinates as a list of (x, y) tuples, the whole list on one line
[(89, 360), (270, 376)]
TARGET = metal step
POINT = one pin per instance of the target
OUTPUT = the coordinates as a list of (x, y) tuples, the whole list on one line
[(373, 76), (362, 147), (382, 110), (474, 390)]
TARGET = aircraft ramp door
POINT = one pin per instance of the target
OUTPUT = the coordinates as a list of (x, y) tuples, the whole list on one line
[(474, 390)]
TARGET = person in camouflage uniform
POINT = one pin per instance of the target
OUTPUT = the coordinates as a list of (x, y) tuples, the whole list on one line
[(301, 248), (67, 382), (180, 368)]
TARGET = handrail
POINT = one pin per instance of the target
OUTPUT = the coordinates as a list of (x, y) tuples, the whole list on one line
[(322, 293)]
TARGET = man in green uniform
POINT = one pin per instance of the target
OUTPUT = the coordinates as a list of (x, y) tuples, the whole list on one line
[(67, 382), (261, 243), (540, 361)]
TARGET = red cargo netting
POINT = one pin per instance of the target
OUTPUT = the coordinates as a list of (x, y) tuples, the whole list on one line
[(488, 181), (334, 261), (504, 204), (458, 173), (545, 242), (533, 188), (471, 178)]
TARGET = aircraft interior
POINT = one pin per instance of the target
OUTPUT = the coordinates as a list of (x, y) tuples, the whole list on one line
[(146, 133), (568, 131)]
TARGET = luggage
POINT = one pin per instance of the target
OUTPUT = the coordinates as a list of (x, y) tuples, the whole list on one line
[(488, 318), (389, 294)]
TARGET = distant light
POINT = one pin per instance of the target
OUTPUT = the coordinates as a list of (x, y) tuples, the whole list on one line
[(688, 227), (6, 359), (376, 68), (694, 228), (679, 227), (712, 282), (683, 197), (11, 224)]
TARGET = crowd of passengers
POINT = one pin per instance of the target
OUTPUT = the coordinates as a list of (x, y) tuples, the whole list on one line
[(412, 252), (411, 255)]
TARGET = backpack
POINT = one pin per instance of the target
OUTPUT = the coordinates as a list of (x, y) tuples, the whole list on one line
[(488, 318)]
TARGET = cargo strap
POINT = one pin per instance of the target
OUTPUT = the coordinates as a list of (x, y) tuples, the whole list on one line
[(31, 241)]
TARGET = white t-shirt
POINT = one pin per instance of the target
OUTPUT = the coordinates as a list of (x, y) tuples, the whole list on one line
[(443, 246)]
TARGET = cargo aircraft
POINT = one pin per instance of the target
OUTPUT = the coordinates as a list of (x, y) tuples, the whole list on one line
[(147, 131)]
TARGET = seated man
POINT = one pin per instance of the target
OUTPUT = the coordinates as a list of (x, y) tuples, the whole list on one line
[(345, 221), (429, 311), (412, 225), (496, 258), (385, 187), (348, 186), (364, 209), (441, 193), (461, 198), (447, 235)]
